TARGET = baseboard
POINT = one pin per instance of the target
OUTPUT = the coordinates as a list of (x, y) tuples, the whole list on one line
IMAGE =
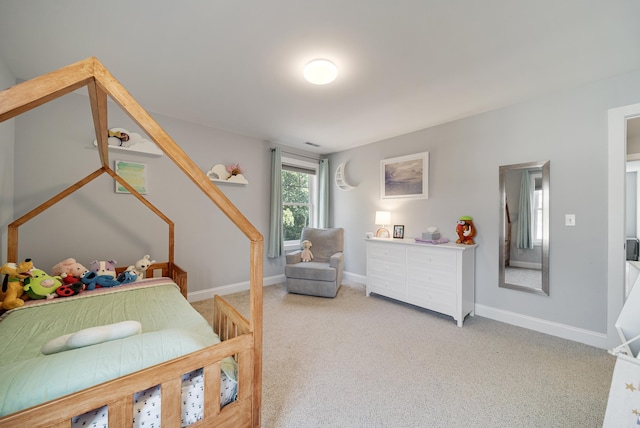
[(231, 288), (588, 337), (361, 279)]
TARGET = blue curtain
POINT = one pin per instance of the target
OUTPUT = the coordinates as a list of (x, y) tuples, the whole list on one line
[(276, 233), (323, 194), (524, 238)]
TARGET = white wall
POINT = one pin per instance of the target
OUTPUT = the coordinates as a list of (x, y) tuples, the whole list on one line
[(54, 150), (570, 129), (7, 137)]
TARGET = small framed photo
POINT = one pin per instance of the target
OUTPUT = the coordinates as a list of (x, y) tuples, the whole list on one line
[(398, 231)]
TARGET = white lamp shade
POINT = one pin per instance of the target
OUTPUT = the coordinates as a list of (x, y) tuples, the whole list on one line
[(383, 217), (320, 72)]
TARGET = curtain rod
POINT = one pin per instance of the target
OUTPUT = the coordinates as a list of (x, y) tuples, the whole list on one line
[(298, 154)]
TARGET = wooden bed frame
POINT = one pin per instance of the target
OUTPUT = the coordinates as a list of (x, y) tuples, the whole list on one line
[(241, 339)]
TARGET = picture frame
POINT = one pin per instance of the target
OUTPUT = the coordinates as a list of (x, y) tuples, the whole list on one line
[(405, 177), (134, 173), (398, 231)]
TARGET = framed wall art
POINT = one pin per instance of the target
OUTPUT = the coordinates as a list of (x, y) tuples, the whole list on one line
[(405, 177), (134, 173)]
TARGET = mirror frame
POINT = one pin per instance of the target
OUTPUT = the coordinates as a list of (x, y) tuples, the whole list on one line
[(544, 287)]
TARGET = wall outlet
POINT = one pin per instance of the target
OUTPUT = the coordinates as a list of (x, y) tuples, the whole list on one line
[(570, 220)]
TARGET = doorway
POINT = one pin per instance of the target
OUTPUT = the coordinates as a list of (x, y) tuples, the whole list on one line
[(616, 258)]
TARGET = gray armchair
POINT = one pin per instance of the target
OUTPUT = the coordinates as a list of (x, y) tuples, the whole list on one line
[(323, 275)]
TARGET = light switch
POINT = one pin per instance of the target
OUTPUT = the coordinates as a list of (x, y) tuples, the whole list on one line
[(570, 220)]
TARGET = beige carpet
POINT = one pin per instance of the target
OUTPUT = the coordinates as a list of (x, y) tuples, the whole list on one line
[(357, 361)]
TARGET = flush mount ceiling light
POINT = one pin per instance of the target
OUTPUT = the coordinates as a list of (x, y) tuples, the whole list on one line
[(320, 72)]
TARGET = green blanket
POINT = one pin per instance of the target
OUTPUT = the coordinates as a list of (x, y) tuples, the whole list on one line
[(170, 328)]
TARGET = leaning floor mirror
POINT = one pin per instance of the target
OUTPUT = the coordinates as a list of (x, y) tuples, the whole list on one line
[(524, 227)]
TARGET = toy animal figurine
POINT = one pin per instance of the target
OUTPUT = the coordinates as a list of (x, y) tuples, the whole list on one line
[(465, 230), (306, 255), (12, 287)]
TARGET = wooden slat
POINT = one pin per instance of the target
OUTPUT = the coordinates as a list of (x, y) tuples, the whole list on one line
[(98, 100), (40, 90), (121, 412), (212, 390), (171, 393)]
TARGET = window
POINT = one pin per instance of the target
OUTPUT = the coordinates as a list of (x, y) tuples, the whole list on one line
[(536, 205), (299, 198)]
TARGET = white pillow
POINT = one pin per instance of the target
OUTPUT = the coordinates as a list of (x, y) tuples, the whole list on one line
[(92, 336)]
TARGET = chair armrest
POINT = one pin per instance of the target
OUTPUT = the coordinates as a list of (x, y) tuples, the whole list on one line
[(294, 257), (336, 259)]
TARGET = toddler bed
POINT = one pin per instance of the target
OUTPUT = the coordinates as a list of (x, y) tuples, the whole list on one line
[(175, 355), (169, 328)]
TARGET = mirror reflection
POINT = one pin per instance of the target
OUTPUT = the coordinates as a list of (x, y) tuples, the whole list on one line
[(524, 227)]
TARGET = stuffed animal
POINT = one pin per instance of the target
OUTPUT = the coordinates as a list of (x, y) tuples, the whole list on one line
[(127, 277), (12, 295), (306, 255), (92, 280), (104, 268), (72, 289), (69, 270), (465, 230), (141, 266), (41, 285)]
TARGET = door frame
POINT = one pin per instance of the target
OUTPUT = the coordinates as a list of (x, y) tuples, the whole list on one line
[(616, 254)]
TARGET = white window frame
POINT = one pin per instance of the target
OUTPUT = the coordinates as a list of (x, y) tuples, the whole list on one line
[(293, 245), (537, 209)]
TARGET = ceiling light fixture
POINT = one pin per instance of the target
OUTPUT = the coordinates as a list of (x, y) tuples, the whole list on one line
[(320, 72)]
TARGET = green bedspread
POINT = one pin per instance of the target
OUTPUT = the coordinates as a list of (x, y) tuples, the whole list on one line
[(170, 328)]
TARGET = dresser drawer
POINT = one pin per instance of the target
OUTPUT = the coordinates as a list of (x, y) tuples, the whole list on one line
[(424, 278), (432, 259), (387, 253), (396, 288), (434, 299)]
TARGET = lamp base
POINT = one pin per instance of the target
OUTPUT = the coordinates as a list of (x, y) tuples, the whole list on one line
[(383, 233)]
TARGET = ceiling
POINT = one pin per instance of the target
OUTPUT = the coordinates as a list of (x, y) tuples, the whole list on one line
[(403, 65)]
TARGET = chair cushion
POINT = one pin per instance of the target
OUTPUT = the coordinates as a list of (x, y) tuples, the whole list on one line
[(325, 242), (311, 270)]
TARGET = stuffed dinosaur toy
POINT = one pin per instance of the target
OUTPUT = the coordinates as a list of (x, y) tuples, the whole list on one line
[(12, 295)]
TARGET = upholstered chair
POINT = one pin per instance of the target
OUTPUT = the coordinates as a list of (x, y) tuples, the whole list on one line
[(322, 276)]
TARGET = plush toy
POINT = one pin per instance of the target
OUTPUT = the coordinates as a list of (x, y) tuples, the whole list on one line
[(41, 285), (127, 277), (306, 255), (465, 230), (141, 266), (104, 268), (118, 137), (92, 280), (12, 288), (72, 289), (69, 270)]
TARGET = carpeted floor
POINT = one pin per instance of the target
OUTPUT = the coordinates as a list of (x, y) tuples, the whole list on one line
[(357, 361)]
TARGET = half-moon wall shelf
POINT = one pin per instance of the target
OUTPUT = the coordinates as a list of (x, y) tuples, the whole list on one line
[(341, 180)]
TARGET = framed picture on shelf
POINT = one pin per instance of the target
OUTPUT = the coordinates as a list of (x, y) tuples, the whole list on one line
[(398, 231), (405, 177)]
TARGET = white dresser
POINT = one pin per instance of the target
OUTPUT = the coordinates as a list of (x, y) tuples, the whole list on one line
[(439, 277)]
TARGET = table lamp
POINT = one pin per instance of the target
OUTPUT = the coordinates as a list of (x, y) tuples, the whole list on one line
[(382, 219)]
